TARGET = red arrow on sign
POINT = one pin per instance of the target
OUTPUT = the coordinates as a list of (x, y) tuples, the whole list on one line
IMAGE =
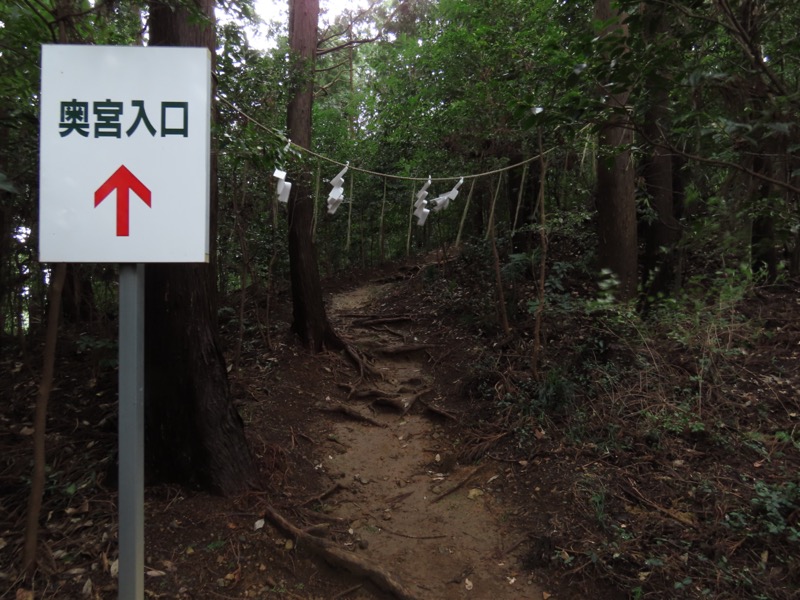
[(123, 181)]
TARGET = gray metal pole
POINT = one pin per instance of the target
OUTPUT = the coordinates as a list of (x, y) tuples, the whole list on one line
[(131, 432)]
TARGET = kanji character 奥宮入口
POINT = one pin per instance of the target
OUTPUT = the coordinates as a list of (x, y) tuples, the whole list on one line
[(108, 119)]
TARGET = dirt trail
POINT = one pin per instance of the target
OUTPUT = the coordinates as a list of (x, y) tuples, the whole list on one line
[(435, 525)]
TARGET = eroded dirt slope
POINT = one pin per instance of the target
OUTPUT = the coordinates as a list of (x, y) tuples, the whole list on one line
[(438, 526)]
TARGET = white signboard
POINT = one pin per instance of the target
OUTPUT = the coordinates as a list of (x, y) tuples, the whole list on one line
[(125, 150)]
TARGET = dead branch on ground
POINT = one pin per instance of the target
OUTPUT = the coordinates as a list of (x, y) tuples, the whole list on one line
[(472, 472)]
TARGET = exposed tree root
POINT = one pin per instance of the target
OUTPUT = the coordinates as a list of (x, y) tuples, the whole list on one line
[(409, 401), (438, 411), (360, 361), (350, 412), (403, 348), (332, 490), (371, 322), (337, 557)]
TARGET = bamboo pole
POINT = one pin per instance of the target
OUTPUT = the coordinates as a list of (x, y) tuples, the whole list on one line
[(536, 356), (349, 214), (490, 226), (316, 206), (381, 245), (410, 221), (491, 237), (519, 199), (464, 214)]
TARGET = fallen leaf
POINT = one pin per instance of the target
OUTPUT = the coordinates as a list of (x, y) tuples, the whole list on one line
[(258, 524), (545, 595), (467, 584), (474, 493), (3, 543), (155, 573), (87, 588), (288, 545), (26, 430), (24, 594), (114, 568)]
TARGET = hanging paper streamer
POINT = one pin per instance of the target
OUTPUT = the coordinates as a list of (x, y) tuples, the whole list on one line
[(420, 210), (284, 187), (336, 197), (443, 201)]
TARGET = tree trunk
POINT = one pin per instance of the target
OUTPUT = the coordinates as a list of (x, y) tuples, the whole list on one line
[(193, 432), (29, 560), (615, 195), (78, 302), (310, 322), (662, 231)]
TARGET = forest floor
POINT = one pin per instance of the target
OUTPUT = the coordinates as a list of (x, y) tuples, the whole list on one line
[(420, 476)]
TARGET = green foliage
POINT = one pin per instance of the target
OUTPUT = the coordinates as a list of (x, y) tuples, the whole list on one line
[(771, 509)]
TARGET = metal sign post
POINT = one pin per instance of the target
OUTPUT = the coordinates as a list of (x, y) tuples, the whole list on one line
[(124, 177), (131, 432)]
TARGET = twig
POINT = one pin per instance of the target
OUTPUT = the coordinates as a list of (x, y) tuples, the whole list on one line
[(336, 487), (346, 592), (412, 537), (457, 486)]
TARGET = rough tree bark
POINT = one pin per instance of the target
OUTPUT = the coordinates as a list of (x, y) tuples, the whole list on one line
[(615, 194), (193, 432), (662, 233), (310, 321)]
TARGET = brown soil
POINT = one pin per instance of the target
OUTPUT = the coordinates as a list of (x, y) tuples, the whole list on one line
[(424, 489)]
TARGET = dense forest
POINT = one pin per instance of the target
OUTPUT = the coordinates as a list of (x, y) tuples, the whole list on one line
[(601, 196)]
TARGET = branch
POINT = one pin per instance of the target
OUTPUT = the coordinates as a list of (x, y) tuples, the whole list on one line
[(48, 24), (716, 162), (350, 44), (753, 53), (336, 66)]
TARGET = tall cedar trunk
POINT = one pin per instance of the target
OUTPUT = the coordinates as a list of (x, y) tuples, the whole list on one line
[(193, 432), (310, 321), (615, 196), (77, 302), (662, 232), (8, 288)]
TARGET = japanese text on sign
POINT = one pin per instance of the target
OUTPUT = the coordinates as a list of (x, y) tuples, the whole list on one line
[(75, 118)]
